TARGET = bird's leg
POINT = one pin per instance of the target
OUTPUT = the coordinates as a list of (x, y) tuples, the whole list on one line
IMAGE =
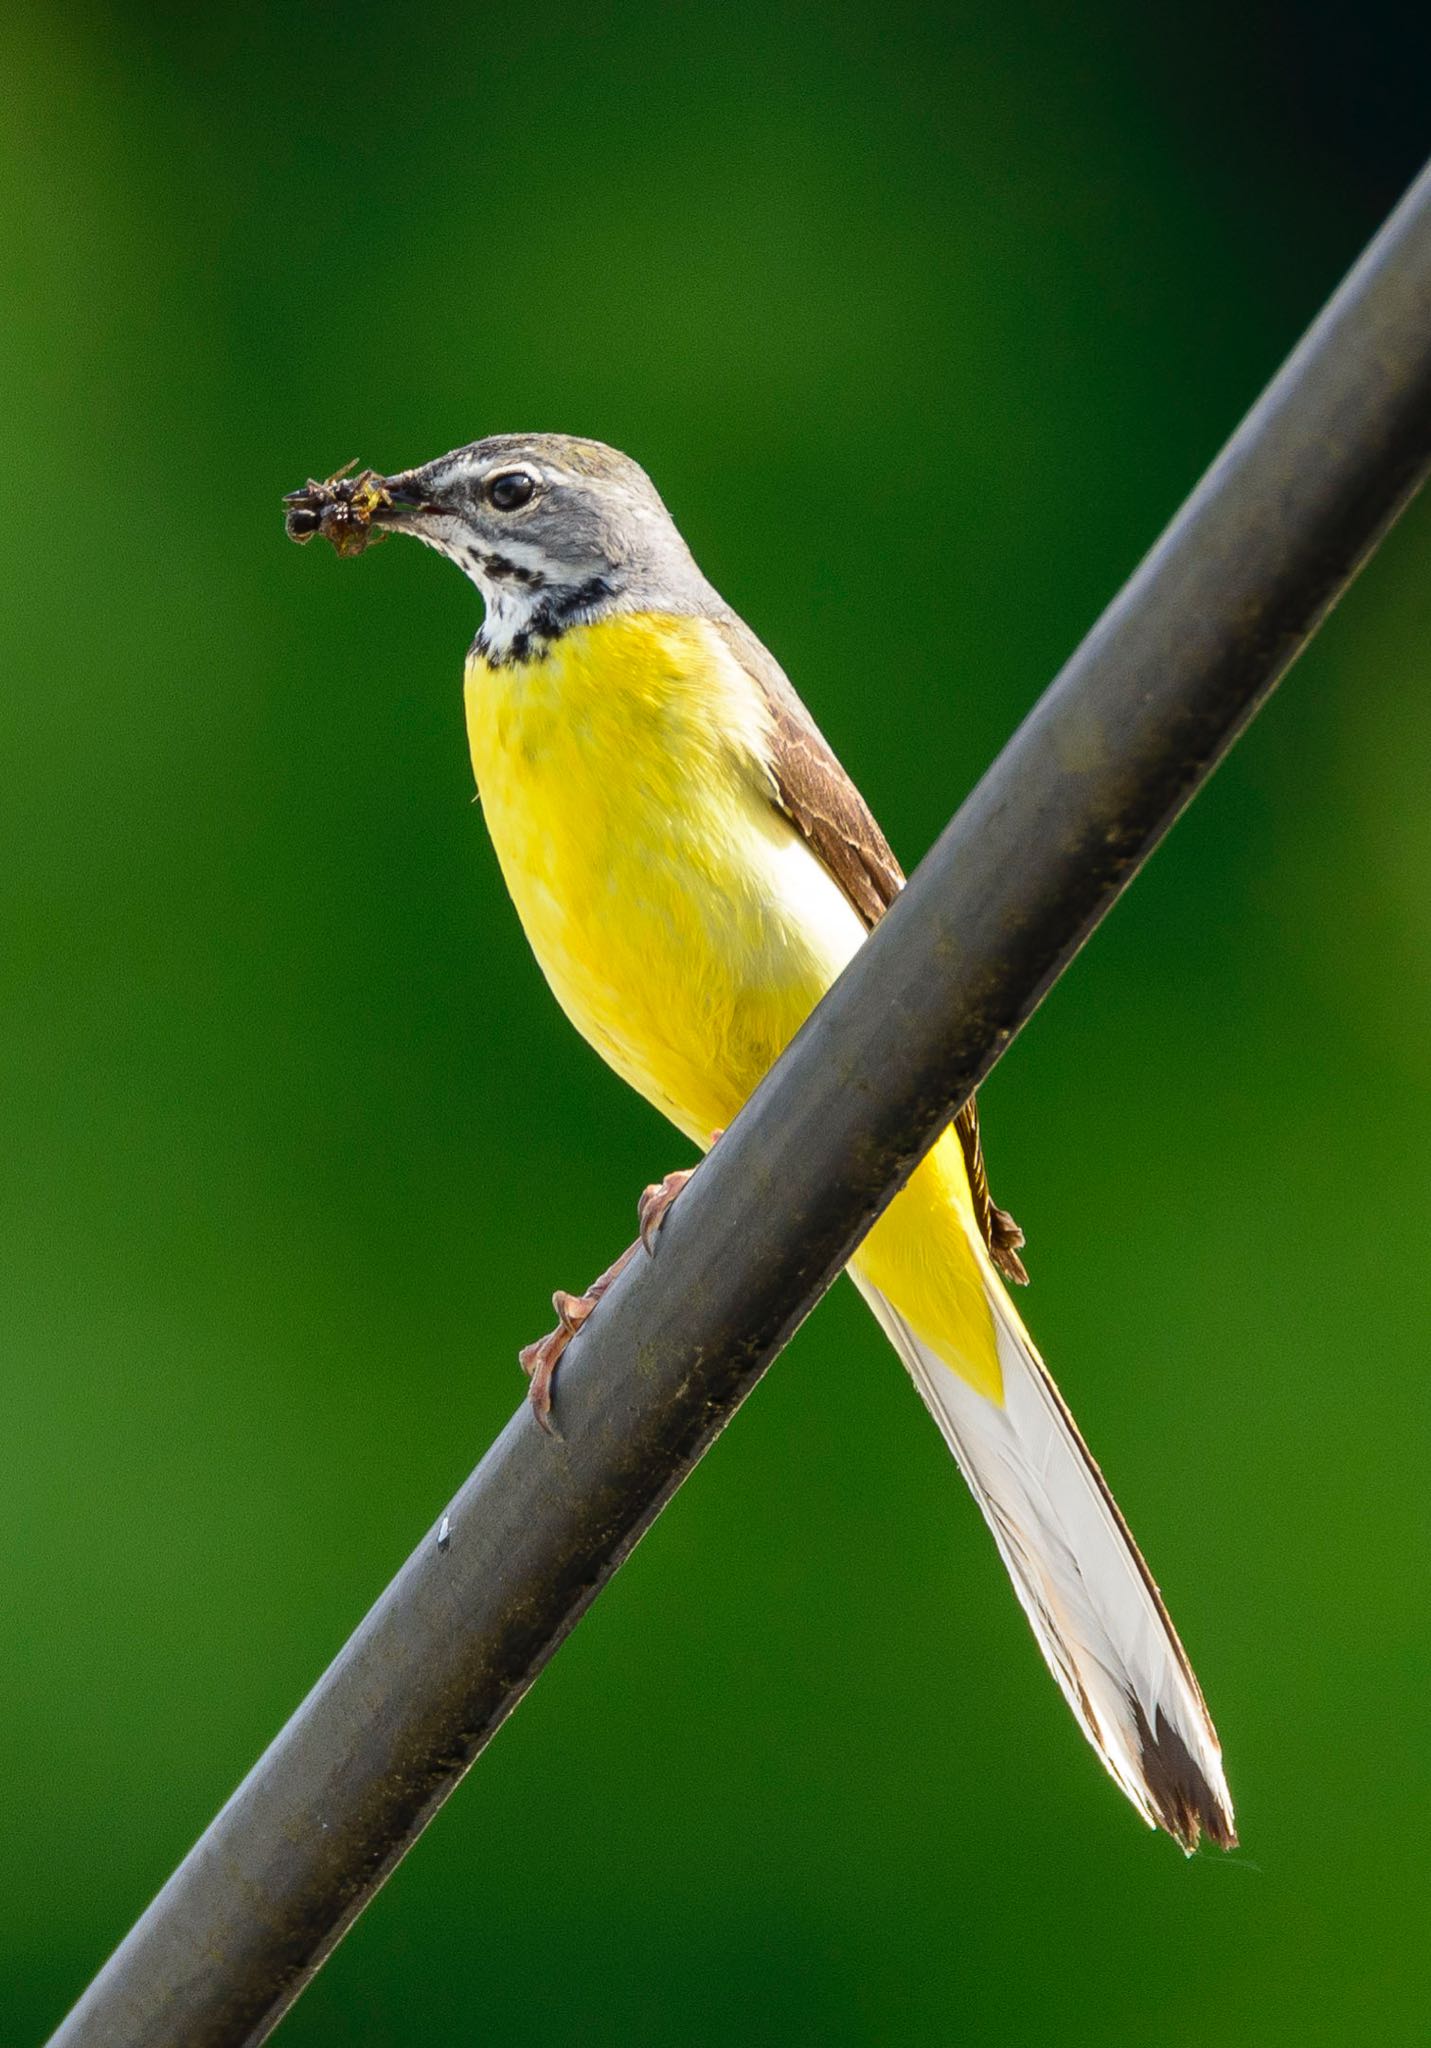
[(539, 1361)]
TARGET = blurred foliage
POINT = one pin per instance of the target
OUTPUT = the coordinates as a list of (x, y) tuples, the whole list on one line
[(923, 326)]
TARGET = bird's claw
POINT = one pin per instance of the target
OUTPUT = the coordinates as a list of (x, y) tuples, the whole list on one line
[(539, 1361), (654, 1202), (657, 1199)]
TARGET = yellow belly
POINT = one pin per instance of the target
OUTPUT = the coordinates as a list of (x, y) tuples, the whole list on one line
[(684, 925)]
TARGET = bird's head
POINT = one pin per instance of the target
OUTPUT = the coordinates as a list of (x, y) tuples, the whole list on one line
[(549, 527)]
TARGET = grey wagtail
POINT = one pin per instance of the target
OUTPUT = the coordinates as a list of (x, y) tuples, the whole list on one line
[(693, 868)]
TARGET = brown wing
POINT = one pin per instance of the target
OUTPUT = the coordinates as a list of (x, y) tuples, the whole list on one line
[(821, 801)]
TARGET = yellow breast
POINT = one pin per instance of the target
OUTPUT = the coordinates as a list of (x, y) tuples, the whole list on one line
[(681, 923), (684, 925)]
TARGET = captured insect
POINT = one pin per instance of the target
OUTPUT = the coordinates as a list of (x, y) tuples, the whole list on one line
[(339, 509)]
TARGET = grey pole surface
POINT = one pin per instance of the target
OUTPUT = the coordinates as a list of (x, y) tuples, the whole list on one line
[(1127, 733)]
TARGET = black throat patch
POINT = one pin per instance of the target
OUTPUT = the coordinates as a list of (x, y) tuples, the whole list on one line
[(550, 616)]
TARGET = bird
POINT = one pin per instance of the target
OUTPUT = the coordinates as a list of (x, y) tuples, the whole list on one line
[(693, 868)]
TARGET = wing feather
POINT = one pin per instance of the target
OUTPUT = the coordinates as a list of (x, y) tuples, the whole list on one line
[(826, 808)]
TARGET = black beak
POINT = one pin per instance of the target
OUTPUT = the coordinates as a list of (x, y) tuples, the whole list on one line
[(410, 491)]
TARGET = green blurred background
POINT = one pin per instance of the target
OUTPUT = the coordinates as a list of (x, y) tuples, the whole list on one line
[(924, 325)]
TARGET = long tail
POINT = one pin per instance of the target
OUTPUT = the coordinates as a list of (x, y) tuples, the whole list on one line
[(1095, 1611)]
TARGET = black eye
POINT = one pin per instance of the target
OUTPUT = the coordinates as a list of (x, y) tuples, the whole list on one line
[(511, 490)]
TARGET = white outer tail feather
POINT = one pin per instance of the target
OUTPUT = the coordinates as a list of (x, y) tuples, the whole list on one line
[(1095, 1611)]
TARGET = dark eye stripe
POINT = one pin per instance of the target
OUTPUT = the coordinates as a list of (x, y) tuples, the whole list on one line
[(511, 490)]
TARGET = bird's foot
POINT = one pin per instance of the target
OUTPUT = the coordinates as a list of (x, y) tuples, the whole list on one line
[(539, 1361), (657, 1199)]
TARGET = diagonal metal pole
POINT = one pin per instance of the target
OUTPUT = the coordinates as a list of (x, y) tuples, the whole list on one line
[(1127, 733)]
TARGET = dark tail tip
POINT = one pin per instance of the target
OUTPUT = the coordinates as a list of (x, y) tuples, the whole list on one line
[(1185, 1802)]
